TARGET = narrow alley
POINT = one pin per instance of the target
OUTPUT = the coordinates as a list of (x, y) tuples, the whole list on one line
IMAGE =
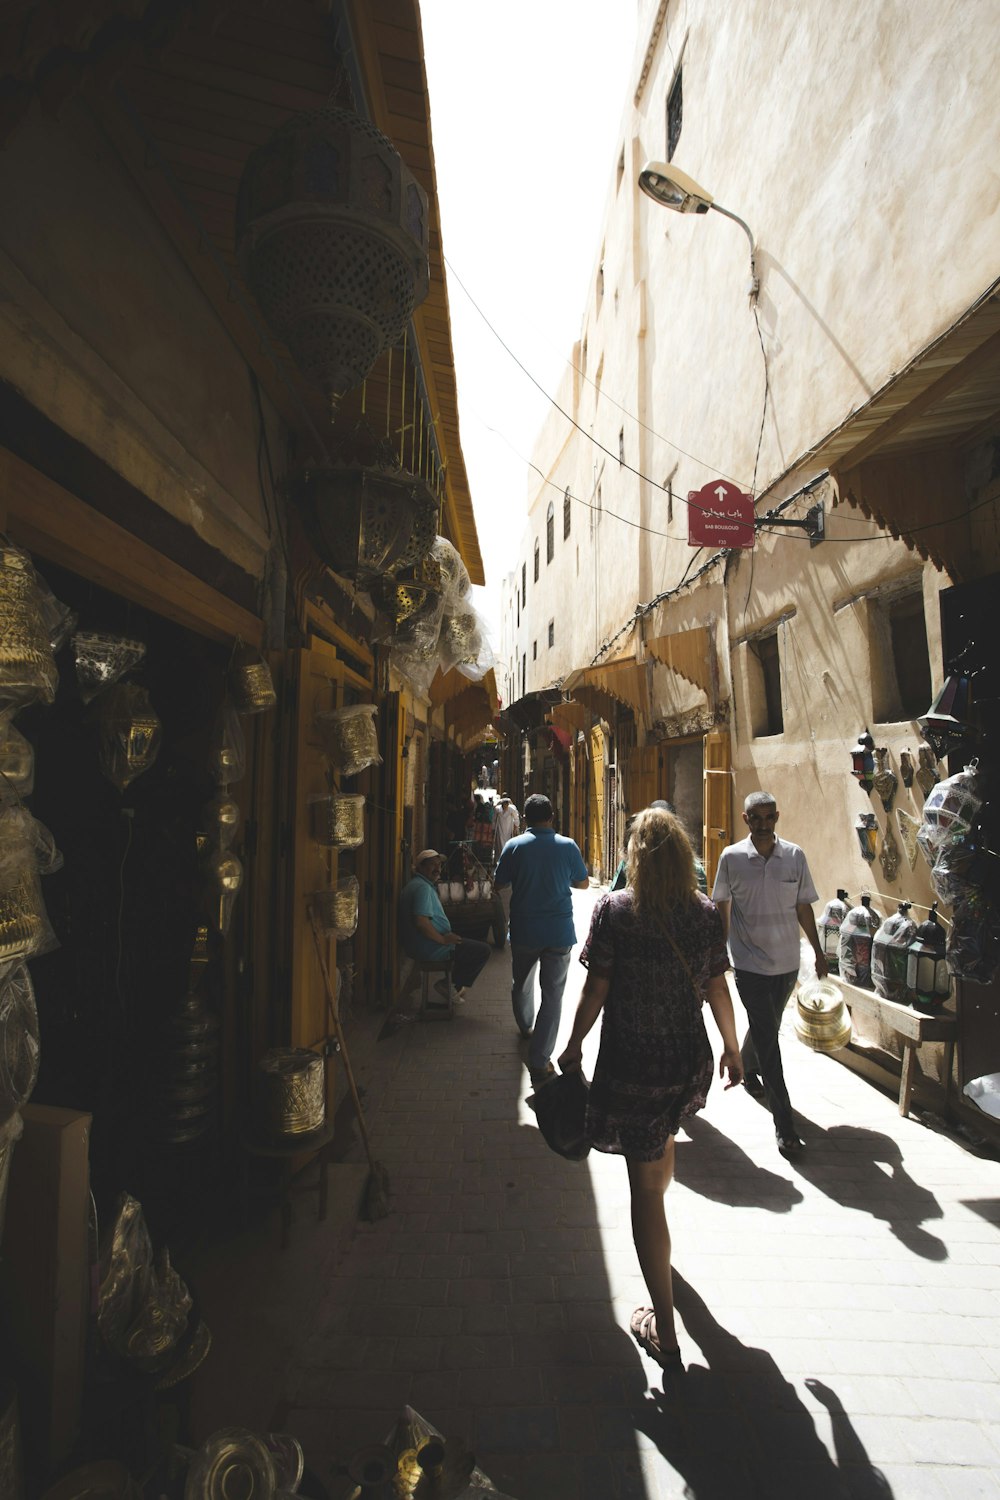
[(840, 1318)]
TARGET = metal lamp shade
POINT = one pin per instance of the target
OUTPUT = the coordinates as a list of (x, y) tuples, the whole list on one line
[(332, 236), (411, 594), (945, 725), (926, 966), (365, 522)]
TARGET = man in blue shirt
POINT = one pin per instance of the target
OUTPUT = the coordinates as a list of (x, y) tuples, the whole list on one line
[(541, 868), (425, 932)]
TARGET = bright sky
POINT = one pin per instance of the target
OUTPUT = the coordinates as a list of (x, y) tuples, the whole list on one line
[(526, 101)]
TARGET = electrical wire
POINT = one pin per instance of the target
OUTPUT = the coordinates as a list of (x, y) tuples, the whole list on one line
[(128, 815)]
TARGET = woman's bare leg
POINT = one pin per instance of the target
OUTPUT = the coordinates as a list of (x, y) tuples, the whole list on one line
[(649, 1181)]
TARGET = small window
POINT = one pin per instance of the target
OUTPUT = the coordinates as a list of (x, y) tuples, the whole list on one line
[(900, 661), (534, 651), (675, 114), (567, 513), (552, 634), (764, 664), (550, 533), (519, 609), (524, 675), (524, 583), (537, 557), (621, 445), (600, 282), (621, 170)]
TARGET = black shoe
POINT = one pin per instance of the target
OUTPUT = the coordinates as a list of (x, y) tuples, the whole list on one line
[(753, 1086), (789, 1145)]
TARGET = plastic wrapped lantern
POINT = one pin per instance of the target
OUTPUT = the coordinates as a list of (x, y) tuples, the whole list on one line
[(226, 874), (889, 954), (102, 660), (855, 952), (223, 818), (926, 965), (129, 732), (950, 810), (349, 737), (227, 751), (17, 762), (251, 683), (829, 926), (28, 671), (866, 828)]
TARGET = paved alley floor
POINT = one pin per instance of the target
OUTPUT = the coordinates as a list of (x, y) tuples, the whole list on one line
[(840, 1317)]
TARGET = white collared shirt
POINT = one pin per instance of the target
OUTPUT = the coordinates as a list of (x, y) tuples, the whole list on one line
[(763, 921)]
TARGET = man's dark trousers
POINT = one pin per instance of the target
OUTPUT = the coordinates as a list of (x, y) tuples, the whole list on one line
[(764, 998)]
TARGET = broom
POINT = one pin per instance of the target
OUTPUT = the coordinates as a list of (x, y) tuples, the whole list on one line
[(375, 1203)]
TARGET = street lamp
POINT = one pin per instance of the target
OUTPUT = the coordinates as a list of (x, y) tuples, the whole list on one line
[(671, 188)]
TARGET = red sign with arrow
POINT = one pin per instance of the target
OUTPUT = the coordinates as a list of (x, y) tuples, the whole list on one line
[(720, 515)]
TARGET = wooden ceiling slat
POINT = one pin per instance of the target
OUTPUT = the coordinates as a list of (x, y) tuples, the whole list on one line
[(280, 96), (229, 54), (221, 108)]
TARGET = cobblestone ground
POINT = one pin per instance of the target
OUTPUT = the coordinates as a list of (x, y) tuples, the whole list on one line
[(840, 1317)]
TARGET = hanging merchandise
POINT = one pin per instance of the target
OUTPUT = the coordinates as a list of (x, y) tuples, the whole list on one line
[(885, 780), (951, 809), (143, 1306), (409, 595), (888, 855), (129, 733), (291, 1093), (101, 660), (58, 619), (927, 773), (226, 877), (829, 926), (222, 820), (866, 828), (188, 1102), (973, 949), (822, 1020), (909, 827), (863, 760), (18, 1040), (233, 1461), (350, 738), (947, 725), (17, 761), (855, 953), (227, 753), (338, 821), (367, 520), (250, 681), (10, 1134), (27, 851), (889, 955), (926, 965), (906, 768), (336, 910), (28, 671), (456, 585)]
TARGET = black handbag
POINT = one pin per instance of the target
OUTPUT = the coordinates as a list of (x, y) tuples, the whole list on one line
[(561, 1111)]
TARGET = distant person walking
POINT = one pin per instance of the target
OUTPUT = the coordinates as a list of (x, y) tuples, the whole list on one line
[(764, 892), (506, 825), (542, 868), (620, 879), (655, 953)]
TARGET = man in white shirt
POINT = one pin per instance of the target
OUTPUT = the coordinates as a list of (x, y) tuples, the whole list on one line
[(506, 825), (764, 891)]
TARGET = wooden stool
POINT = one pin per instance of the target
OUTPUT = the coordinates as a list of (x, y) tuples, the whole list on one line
[(288, 1154), (432, 1006)]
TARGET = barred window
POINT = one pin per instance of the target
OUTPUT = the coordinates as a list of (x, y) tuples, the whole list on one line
[(550, 533), (567, 513)]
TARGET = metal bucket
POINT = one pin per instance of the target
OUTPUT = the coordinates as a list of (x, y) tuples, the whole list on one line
[(292, 1093)]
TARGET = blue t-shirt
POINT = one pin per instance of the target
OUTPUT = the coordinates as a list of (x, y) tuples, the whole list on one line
[(540, 866), (419, 898)]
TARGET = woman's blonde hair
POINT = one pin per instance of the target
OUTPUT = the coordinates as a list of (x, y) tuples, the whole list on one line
[(660, 864)]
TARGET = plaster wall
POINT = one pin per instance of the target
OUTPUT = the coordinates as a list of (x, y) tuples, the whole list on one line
[(105, 330)]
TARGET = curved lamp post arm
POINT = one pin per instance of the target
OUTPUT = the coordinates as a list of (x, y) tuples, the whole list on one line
[(754, 280)]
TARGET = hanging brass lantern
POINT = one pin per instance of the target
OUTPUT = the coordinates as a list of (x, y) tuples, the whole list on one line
[(331, 235), (27, 665), (129, 732), (411, 594), (367, 520), (250, 682)]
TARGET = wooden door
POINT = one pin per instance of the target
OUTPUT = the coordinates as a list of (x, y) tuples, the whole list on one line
[(718, 824), (595, 832), (642, 778)]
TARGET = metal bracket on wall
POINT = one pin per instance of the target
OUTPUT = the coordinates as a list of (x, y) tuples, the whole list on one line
[(813, 523)]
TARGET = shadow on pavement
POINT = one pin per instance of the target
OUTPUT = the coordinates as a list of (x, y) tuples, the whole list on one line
[(719, 1169), (902, 1203), (737, 1429)]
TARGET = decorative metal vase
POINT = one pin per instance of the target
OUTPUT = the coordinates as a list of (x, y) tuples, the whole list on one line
[(884, 781), (291, 1093), (366, 520), (332, 236), (250, 682), (27, 666), (338, 821)]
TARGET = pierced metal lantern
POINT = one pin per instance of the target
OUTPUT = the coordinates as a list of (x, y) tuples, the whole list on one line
[(863, 760), (367, 520), (926, 965), (250, 682), (411, 594), (332, 236)]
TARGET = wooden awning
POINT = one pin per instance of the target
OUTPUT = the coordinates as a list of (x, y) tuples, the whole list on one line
[(900, 458), (689, 653), (185, 92), (626, 681), (471, 711)]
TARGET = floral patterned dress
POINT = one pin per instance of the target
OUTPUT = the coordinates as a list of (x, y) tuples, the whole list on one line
[(655, 1063)]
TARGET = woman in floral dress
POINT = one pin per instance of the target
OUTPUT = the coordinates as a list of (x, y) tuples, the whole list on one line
[(655, 953)]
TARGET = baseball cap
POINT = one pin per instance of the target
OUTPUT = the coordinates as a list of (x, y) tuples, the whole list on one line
[(426, 854)]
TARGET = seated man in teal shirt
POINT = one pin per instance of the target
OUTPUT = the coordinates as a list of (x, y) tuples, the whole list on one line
[(424, 930)]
